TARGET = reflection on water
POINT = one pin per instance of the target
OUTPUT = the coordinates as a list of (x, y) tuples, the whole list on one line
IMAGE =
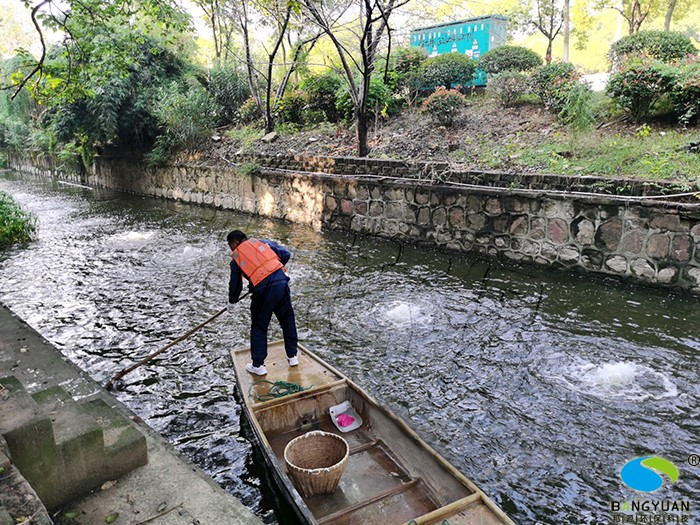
[(537, 385)]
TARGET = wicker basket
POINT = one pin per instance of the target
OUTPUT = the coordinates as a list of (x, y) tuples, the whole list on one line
[(316, 461)]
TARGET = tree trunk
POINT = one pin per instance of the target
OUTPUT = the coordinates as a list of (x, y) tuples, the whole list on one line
[(669, 15), (548, 53), (269, 119), (567, 29), (361, 134)]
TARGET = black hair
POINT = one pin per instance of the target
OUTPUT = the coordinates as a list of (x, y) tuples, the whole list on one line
[(236, 235)]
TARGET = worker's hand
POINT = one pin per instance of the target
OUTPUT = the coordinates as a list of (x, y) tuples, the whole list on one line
[(230, 307)]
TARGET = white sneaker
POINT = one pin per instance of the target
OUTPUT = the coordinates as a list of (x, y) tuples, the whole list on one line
[(293, 361), (257, 370)]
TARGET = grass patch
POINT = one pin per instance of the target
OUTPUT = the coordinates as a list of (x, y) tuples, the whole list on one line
[(16, 225), (667, 155), (246, 136)]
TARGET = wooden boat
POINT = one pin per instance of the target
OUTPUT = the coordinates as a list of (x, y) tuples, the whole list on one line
[(392, 476)]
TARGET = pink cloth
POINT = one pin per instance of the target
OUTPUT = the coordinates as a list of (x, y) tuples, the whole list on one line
[(345, 421)]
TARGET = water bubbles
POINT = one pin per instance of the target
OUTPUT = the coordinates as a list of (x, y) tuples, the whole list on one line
[(192, 252), (400, 314), (135, 236), (624, 380)]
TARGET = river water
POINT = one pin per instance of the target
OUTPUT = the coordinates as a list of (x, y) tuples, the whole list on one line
[(536, 384)]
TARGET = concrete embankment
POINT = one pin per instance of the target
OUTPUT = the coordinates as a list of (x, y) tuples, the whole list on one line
[(632, 230), (66, 443)]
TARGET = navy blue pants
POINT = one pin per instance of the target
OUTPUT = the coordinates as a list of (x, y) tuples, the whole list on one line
[(269, 298)]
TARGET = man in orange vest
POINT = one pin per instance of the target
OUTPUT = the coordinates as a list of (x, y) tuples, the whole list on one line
[(262, 262)]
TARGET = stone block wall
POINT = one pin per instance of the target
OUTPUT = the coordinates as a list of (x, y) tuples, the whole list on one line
[(644, 240), (548, 220)]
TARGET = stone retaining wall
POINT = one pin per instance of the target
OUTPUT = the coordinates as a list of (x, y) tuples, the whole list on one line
[(537, 219)]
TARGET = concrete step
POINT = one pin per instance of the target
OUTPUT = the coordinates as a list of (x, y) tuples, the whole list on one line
[(80, 448), (65, 448), (18, 500), (27, 431), (124, 445)]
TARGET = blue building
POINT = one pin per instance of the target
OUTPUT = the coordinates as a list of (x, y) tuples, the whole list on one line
[(472, 37)]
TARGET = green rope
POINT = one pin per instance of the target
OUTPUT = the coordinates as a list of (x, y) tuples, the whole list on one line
[(278, 389)]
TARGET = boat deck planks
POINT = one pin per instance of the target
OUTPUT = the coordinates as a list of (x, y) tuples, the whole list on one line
[(392, 476)]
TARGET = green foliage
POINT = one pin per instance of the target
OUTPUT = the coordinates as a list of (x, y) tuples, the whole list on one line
[(406, 71), (229, 87), (15, 115), (578, 110), (69, 157), (246, 137), (655, 155), (407, 60), (14, 132), (187, 113), (313, 102), (685, 93), (638, 85), (249, 112), (44, 140), (553, 82), (448, 70), (508, 86), (664, 46), (249, 169), (291, 107), (21, 106), (378, 100), (99, 88), (322, 91), (509, 58), (16, 225), (443, 105)]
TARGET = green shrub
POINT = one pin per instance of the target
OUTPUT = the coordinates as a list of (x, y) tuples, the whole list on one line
[(508, 86), (509, 58), (249, 169), (290, 108), (16, 225), (685, 93), (44, 140), (578, 108), (448, 70), (444, 105), (665, 46), (245, 137), (187, 112), (69, 157), (229, 88), (638, 85), (16, 133), (409, 59), (553, 82), (378, 100), (322, 91), (249, 112), (406, 66)]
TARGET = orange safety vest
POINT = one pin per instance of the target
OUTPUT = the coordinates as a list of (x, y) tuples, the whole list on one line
[(256, 260)]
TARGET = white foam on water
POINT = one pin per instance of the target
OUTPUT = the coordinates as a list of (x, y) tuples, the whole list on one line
[(402, 314), (136, 236), (625, 379), (191, 252)]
